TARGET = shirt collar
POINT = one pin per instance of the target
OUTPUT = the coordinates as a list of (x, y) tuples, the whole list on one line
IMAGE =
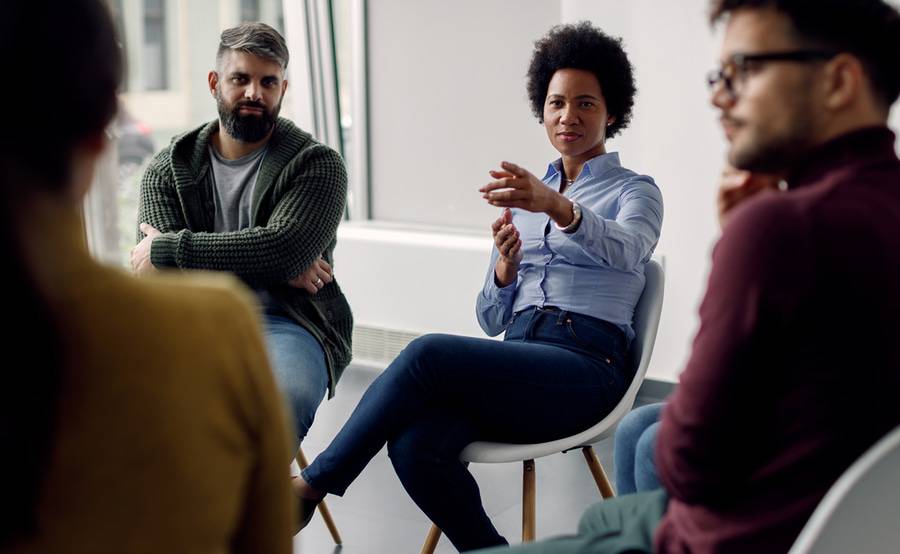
[(594, 167), (863, 146)]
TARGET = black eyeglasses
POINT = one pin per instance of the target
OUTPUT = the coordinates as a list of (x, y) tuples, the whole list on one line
[(733, 72)]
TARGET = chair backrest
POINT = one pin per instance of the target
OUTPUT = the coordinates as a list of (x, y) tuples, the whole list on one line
[(645, 324), (859, 513), (646, 321)]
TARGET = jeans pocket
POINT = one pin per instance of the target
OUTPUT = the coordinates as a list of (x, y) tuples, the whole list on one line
[(592, 338)]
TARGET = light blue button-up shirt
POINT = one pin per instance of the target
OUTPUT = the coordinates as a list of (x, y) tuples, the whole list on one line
[(599, 269)]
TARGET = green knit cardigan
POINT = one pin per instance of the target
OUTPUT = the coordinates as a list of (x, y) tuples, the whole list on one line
[(297, 204)]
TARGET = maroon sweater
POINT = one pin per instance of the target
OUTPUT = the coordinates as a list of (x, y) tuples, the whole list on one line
[(795, 369)]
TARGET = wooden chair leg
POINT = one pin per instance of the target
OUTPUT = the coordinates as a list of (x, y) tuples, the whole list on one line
[(329, 522), (593, 462), (323, 507), (434, 535), (528, 501)]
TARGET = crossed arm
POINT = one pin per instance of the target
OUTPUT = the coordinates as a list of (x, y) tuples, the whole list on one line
[(288, 249)]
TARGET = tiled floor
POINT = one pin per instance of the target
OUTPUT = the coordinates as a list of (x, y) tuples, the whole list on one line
[(377, 517)]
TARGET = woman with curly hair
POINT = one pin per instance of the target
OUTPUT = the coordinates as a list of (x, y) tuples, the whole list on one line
[(565, 274)]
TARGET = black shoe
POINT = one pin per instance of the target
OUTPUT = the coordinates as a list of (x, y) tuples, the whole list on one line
[(306, 507)]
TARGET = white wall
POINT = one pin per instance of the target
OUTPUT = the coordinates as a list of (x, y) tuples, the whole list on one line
[(674, 138), (410, 280), (423, 281), (447, 103)]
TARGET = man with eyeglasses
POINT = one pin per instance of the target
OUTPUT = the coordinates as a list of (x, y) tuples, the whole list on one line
[(796, 363)]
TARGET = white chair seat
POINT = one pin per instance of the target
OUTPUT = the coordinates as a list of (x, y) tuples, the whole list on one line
[(497, 452)]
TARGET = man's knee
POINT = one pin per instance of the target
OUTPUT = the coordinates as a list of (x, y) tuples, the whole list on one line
[(303, 397), (300, 372), (631, 424), (639, 419), (306, 401), (645, 447)]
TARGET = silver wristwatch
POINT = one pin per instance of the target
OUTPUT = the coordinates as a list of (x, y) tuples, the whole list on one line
[(576, 220)]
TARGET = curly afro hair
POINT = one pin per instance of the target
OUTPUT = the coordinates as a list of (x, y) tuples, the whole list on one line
[(583, 46)]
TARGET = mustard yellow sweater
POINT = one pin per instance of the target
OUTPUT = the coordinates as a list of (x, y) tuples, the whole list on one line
[(171, 435)]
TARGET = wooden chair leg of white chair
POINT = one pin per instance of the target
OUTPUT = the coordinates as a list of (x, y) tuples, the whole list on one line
[(593, 462), (431, 540), (323, 507), (528, 501), (329, 522)]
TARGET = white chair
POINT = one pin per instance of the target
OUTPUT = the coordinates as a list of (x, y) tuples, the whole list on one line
[(859, 512), (646, 322)]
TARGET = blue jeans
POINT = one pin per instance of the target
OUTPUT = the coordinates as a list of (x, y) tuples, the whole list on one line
[(298, 362), (555, 374), (635, 444)]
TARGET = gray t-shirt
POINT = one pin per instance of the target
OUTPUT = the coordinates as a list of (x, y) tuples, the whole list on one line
[(235, 181)]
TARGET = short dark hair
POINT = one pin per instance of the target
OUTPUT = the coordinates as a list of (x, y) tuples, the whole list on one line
[(868, 29), (583, 46), (258, 39)]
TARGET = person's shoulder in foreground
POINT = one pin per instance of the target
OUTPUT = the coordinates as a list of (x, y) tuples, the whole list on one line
[(197, 425)]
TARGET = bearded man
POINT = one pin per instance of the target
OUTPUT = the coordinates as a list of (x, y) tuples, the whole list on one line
[(252, 194)]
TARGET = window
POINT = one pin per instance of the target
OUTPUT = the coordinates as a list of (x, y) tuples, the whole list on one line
[(157, 36), (346, 67), (119, 20), (420, 112), (249, 10), (155, 68)]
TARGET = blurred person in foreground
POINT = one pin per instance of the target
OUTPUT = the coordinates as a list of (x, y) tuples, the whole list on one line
[(135, 415), (796, 363)]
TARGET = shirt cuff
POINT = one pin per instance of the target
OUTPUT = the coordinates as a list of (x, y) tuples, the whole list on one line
[(499, 295), (163, 250)]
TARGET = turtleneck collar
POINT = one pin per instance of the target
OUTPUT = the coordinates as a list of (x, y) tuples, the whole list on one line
[(857, 147)]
